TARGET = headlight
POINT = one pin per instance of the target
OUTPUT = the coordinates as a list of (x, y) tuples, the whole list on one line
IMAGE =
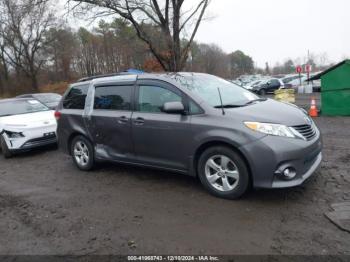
[(271, 129), (11, 134)]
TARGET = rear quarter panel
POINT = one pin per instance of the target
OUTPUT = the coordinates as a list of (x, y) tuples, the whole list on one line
[(70, 124)]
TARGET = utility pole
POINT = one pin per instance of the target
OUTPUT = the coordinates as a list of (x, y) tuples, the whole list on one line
[(307, 66)]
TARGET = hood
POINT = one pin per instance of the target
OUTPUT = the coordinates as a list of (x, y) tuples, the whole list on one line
[(27, 120), (271, 111)]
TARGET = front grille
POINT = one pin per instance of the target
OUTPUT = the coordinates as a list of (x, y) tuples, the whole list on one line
[(307, 131)]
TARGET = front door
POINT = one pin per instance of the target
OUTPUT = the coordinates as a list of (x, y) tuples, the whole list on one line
[(110, 122), (160, 139)]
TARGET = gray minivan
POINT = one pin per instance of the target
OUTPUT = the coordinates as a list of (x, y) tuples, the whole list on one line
[(190, 123)]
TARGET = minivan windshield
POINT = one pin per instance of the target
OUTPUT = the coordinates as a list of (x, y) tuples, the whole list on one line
[(19, 107), (208, 86)]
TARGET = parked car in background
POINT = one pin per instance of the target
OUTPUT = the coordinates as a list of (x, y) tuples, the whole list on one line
[(280, 76), (51, 100), (251, 85), (294, 80), (25, 123), (189, 123), (268, 86), (316, 86), (237, 82)]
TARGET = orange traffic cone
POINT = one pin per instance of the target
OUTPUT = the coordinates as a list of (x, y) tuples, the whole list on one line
[(313, 109)]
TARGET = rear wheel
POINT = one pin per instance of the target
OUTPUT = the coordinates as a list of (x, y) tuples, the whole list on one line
[(223, 172), (82, 153), (5, 150)]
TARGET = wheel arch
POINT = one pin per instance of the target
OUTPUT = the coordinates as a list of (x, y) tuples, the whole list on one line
[(199, 151), (72, 136)]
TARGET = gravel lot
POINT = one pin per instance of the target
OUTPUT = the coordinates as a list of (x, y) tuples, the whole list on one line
[(47, 206)]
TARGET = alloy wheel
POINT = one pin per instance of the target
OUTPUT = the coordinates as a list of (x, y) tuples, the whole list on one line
[(81, 153), (222, 173)]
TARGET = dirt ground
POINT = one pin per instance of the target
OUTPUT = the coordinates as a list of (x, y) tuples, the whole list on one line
[(47, 206)]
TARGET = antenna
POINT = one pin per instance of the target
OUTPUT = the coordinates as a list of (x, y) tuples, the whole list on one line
[(222, 105)]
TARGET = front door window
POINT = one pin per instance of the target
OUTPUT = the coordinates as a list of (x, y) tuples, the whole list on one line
[(152, 98)]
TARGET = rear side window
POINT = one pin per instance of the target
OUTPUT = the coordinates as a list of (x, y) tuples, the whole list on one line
[(113, 98), (76, 97)]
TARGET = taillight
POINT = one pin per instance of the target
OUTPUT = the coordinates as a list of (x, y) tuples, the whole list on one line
[(57, 115)]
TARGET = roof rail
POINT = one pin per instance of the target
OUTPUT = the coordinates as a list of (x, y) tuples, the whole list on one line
[(89, 78)]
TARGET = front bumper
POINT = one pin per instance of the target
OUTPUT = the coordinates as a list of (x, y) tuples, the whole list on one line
[(277, 183), (272, 154), (32, 138), (38, 142)]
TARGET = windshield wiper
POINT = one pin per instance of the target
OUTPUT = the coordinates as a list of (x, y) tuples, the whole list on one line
[(241, 105), (228, 106), (256, 100)]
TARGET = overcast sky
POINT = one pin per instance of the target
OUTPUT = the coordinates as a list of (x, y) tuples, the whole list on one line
[(274, 30)]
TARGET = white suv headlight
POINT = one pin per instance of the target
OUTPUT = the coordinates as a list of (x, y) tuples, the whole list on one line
[(13, 135), (271, 129)]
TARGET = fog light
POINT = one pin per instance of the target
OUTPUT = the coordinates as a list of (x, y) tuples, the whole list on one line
[(286, 173), (289, 173)]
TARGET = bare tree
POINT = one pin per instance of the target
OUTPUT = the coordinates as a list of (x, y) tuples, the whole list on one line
[(60, 51), (168, 16), (209, 59), (24, 23), (4, 74), (240, 64)]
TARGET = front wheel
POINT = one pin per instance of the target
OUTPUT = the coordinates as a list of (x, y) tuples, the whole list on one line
[(82, 153), (223, 172), (5, 150)]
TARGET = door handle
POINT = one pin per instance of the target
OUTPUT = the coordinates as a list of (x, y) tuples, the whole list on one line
[(123, 120), (139, 121)]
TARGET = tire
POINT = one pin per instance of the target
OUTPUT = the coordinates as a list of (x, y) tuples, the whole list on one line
[(262, 92), (4, 148), (236, 175), (82, 153)]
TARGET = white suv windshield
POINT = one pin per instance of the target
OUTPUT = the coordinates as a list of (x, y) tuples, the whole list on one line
[(19, 107), (208, 86), (48, 98)]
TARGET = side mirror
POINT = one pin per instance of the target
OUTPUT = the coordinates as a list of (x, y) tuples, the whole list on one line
[(173, 108)]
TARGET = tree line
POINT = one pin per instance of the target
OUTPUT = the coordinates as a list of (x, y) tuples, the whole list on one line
[(37, 48)]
